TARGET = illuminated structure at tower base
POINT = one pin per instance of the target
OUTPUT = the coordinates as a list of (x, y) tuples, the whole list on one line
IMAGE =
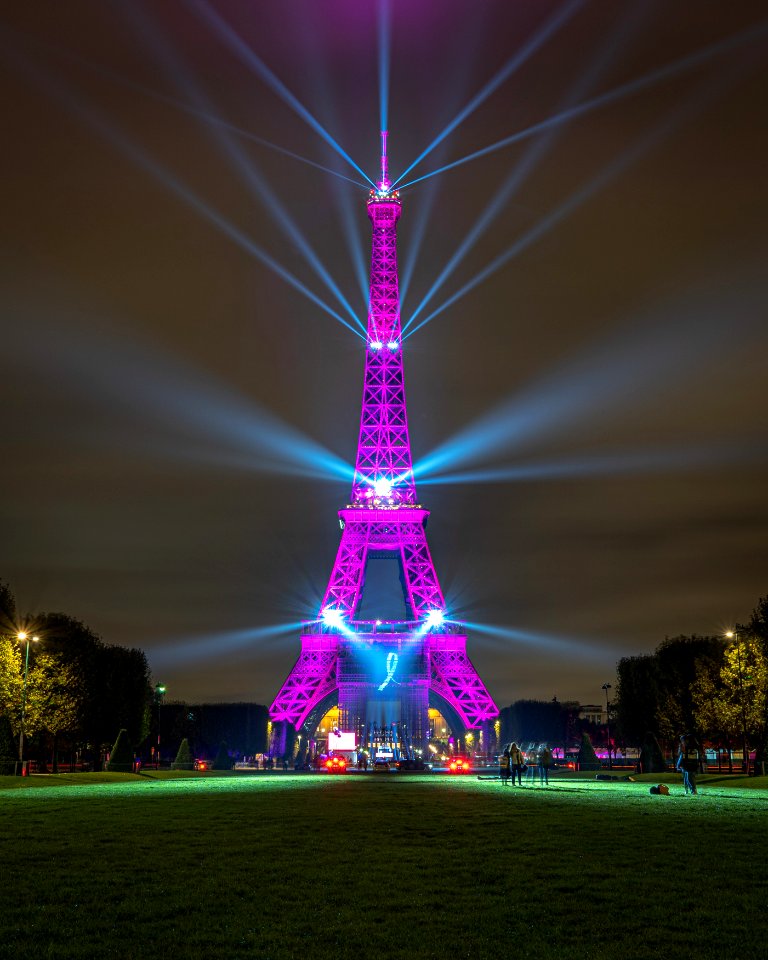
[(384, 673)]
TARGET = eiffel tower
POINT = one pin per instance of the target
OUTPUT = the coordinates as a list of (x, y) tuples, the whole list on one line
[(383, 673)]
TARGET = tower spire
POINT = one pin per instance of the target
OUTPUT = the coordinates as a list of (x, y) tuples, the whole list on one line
[(384, 184)]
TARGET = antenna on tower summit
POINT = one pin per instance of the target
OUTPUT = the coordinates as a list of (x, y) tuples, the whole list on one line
[(385, 184)]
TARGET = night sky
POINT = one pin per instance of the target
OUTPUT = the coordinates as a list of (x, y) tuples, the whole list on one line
[(588, 413)]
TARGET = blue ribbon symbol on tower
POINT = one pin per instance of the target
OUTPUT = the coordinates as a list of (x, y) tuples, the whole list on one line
[(392, 659)]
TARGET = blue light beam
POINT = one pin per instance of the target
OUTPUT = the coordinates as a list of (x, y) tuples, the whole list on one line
[(96, 121), (527, 162), (173, 65), (724, 455), (181, 651), (257, 65), (574, 647), (185, 414), (384, 30), (648, 356), (612, 96), (514, 63), (690, 106)]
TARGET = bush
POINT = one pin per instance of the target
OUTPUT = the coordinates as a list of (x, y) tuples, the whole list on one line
[(183, 759), (121, 756), (223, 760), (587, 756)]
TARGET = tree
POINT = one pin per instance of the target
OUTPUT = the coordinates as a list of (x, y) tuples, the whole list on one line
[(637, 697), (539, 721), (734, 701), (54, 699), (121, 756), (8, 746), (758, 628), (651, 758), (587, 756), (223, 760), (114, 680), (655, 691), (10, 680), (183, 759), (7, 610)]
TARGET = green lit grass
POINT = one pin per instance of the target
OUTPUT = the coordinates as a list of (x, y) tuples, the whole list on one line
[(283, 865)]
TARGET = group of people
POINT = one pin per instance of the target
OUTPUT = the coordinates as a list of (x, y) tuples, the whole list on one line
[(513, 763)]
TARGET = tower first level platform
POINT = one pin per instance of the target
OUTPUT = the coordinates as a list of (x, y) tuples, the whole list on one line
[(382, 674)]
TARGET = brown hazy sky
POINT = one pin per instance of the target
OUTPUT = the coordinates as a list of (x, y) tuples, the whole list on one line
[(168, 399)]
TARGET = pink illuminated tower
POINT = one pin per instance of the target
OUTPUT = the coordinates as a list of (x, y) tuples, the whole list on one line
[(384, 672)]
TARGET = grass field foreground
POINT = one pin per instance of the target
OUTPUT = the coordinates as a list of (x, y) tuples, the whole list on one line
[(314, 866)]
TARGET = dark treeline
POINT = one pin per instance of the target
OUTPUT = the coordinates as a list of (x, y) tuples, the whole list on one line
[(713, 688), (242, 726), (80, 691)]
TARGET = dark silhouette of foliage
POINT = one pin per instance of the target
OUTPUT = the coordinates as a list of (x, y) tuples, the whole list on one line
[(654, 692), (8, 747), (532, 720), (223, 760), (587, 757), (7, 611), (184, 760), (651, 756), (242, 725), (121, 757)]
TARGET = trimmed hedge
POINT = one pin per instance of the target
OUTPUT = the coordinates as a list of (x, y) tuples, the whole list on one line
[(184, 760), (121, 756)]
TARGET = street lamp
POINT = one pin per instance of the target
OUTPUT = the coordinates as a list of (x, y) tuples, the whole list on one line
[(159, 694), (607, 687), (24, 638)]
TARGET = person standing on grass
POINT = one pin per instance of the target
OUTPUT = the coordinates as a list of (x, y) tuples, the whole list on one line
[(688, 764), (504, 767), (545, 762), (530, 763), (517, 761)]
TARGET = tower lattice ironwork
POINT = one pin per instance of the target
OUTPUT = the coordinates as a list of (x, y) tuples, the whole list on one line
[(384, 671)]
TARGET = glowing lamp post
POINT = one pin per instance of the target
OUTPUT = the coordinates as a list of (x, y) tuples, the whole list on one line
[(607, 687), (23, 638), (159, 694)]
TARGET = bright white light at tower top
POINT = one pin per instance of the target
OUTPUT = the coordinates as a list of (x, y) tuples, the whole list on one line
[(376, 345), (393, 345), (382, 487)]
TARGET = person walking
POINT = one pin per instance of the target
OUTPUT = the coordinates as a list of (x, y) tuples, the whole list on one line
[(517, 762), (545, 762), (504, 767), (688, 763)]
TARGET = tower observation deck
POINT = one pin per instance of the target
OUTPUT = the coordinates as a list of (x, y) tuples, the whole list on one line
[(383, 672)]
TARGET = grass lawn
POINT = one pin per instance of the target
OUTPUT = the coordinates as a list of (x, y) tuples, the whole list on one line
[(391, 866)]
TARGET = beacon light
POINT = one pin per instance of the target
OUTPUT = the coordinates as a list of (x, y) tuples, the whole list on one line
[(332, 617), (392, 345), (382, 487), (376, 345), (435, 618)]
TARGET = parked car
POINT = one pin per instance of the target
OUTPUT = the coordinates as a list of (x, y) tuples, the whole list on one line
[(458, 765), (336, 765)]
